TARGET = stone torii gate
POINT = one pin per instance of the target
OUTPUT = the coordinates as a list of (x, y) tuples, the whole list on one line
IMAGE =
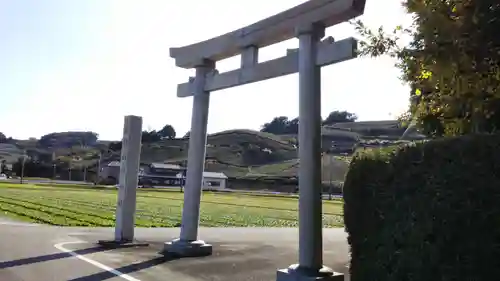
[(307, 22)]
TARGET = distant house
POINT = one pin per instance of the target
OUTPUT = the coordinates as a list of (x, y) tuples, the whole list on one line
[(162, 175), (110, 172), (170, 175), (157, 169), (214, 180)]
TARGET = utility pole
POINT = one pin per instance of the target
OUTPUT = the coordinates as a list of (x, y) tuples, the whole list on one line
[(98, 172), (53, 166), (183, 175), (22, 166), (330, 171), (69, 170)]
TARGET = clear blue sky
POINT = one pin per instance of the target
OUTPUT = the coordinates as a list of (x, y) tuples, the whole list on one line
[(84, 64)]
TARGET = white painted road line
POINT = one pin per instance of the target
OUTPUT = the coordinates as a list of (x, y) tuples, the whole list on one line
[(60, 247)]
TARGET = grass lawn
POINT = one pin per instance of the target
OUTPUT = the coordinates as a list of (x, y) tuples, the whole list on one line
[(66, 206)]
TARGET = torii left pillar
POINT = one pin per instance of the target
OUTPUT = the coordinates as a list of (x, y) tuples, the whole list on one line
[(188, 244)]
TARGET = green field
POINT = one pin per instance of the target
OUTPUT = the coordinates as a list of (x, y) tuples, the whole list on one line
[(66, 206)]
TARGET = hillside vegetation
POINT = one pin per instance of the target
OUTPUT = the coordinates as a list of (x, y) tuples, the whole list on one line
[(237, 153)]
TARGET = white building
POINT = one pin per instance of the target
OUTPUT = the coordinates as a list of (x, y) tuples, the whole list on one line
[(213, 180)]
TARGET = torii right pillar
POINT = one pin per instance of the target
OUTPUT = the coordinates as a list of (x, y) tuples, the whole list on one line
[(310, 266)]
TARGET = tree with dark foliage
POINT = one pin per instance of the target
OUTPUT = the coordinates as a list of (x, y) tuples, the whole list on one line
[(167, 132), (340, 117)]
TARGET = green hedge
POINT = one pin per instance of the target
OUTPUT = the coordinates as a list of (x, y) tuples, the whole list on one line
[(426, 212)]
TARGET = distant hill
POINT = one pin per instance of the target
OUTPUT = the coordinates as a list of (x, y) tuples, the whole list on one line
[(238, 153)]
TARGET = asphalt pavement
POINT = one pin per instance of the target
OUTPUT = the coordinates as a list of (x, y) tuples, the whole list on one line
[(27, 253), (31, 252)]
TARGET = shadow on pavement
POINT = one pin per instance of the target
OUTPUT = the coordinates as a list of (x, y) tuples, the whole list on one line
[(49, 257), (127, 269)]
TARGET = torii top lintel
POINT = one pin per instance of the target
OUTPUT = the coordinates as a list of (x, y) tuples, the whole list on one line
[(274, 29)]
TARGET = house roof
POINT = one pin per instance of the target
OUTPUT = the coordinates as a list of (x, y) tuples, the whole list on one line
[(114, 164), (214, 175), (166, 166)]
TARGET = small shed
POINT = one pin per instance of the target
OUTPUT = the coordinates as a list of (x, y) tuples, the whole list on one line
[(110, 171), (214, 180)]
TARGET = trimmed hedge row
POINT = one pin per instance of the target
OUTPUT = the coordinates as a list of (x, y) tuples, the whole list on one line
[(424, 212)]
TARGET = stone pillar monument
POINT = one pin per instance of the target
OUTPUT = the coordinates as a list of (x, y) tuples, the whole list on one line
[(127, 183)]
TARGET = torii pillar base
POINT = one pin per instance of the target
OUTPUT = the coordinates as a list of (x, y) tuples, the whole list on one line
[(181, 248), (115, 244), (295, 273)]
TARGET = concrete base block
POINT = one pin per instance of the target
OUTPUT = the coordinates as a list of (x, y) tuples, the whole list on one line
[(181, 248), (113, 244), (296, 273)]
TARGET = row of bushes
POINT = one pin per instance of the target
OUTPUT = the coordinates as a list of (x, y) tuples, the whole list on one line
[(427, 211)]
